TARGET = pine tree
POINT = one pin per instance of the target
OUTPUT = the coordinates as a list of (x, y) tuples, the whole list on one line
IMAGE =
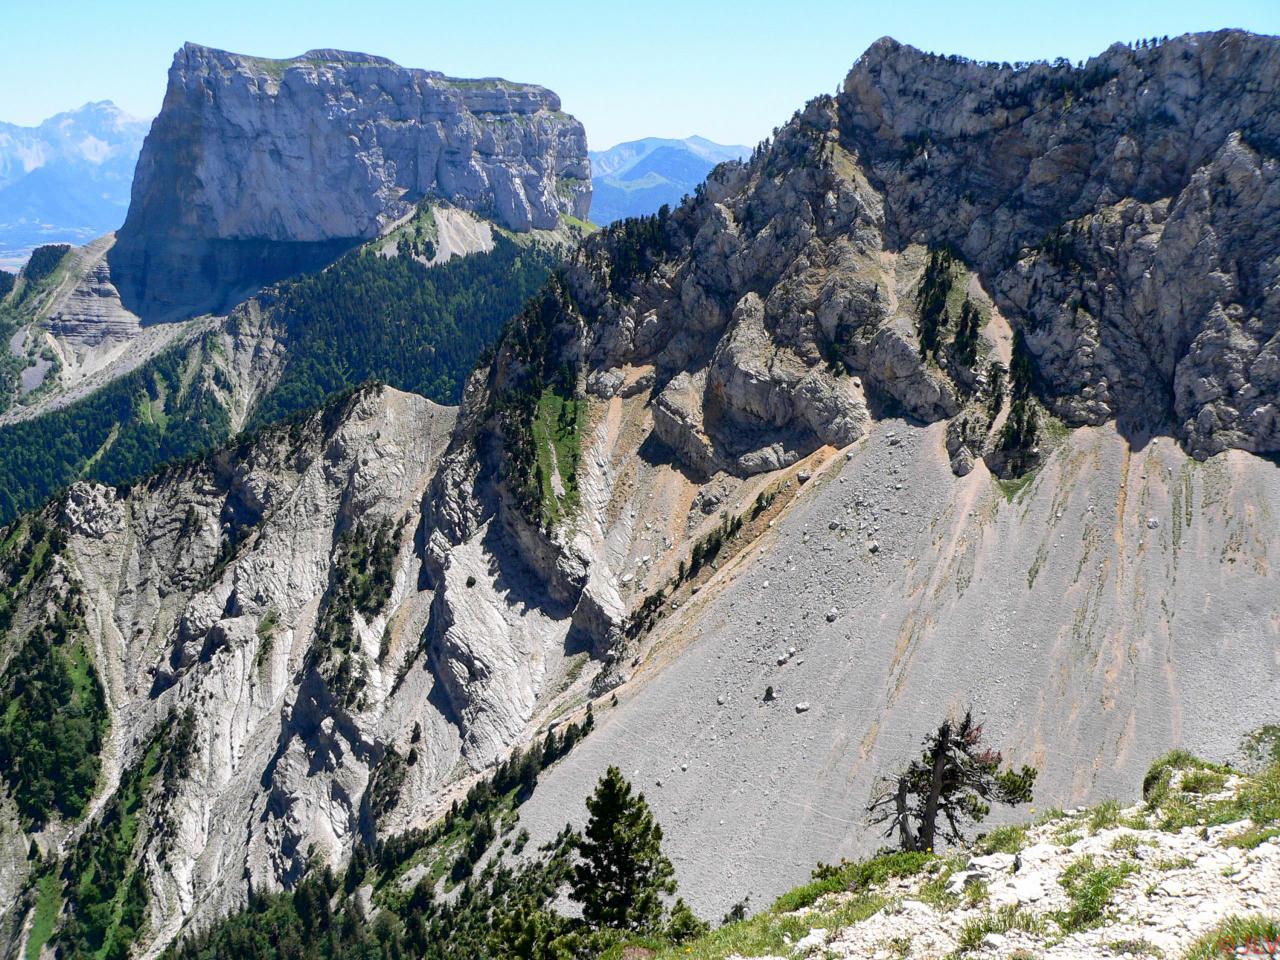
[(623, 873), (955, 780)]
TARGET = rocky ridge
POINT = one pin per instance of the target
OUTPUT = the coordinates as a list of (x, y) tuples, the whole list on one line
[(1164, 891), (228, 604), (723, 349), (798, 296), (1120, 213)]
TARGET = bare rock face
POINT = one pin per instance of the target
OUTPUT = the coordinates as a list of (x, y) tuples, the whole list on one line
[(1123, 214), (1112, 224), (256, 168)]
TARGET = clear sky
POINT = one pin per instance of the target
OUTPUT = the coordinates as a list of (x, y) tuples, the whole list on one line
[(730, 70)]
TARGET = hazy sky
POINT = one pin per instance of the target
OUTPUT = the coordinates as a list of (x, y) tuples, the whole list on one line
[(730, 70)]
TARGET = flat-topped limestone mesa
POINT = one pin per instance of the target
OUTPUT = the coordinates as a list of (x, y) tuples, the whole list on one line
[(256, 169)]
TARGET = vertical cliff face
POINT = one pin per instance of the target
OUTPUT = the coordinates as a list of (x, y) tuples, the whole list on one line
[(1123, 213), (256, 168)]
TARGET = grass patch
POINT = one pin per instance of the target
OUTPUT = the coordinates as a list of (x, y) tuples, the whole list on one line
[(1104, 816), (1090, 887), (266, 636), (48, 903), (1004, 920), (975, 893), (1253, 837), (1010, 839), (1129, 843), (1203, 782), (1187, 801), (856, 877), (1135, 948), (770, 932), (556, 437), (1014, 487), (934, 893), (1156, 783), (1068, 837), (1232, 933)]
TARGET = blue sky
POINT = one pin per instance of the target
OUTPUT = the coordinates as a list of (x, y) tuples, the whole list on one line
[(730, 71)]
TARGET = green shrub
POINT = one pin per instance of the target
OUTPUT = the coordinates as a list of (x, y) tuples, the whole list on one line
[(1232, 933), (1090, 888)]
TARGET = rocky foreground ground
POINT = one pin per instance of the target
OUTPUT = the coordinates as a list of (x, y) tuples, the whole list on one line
[(1192, 871)]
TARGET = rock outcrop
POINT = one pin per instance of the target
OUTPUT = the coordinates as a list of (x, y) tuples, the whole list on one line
[(1081, 885), (1123, 213), (256, 169), (798, 301)]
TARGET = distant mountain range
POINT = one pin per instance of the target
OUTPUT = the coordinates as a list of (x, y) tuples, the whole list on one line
[(639, 176), (66, 180)]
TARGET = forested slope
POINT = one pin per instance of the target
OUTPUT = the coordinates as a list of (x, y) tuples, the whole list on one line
[(367, 317)]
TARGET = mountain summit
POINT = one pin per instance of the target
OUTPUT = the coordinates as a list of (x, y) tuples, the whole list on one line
[(256, 169)]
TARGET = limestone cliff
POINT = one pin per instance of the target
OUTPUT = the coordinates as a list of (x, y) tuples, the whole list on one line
[(837, 291), (1104, 235), (1123, 213), (256, 168)]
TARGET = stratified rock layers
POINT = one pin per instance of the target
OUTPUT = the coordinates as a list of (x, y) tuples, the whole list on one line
[(256, 169)]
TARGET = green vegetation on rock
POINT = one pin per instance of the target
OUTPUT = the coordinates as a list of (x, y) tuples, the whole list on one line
[(367, 317), (393, 319), (1020, 434), (537, 406), (1090, 887), (106, 879), (360, 581), (502, 910), (43, 261), (53, 715), (150, 416)]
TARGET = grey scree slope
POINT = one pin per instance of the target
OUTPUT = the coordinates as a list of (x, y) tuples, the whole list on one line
[(1123, 604)]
